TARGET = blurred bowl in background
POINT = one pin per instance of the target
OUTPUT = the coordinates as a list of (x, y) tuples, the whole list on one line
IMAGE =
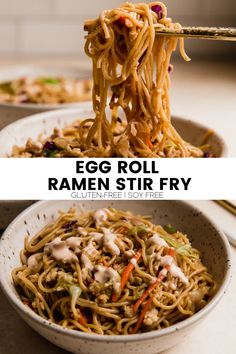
[(10, 112)]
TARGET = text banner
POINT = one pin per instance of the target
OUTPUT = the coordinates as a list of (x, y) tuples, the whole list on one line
[(32, 179)]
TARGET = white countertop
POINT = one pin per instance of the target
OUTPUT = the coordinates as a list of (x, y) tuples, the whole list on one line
[(206, 92)]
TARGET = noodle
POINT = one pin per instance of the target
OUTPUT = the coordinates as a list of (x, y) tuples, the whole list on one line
[(111, 272), (132, 63)]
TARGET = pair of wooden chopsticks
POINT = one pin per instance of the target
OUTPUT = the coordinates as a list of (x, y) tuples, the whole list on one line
[(227, 205), (213, 33)]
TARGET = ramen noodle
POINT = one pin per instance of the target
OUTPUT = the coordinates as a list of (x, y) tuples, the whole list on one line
[(131, 79)]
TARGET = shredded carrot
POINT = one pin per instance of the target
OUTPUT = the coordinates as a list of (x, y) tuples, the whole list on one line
[(171, 253), (143, 313), (82, 320), (114, 297), (149, 143), (128, 270), (126, 274), (145, 295), (122, 20)]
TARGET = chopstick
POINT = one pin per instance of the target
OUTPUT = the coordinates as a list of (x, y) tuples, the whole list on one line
[(227, 205), (213, 33)]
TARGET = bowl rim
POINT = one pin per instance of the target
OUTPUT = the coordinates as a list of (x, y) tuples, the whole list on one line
[(31, 315), (40, 106), (85, 74), (87, 106)]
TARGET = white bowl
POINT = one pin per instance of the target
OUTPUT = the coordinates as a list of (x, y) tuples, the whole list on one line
[(10, 112), (18, 132), (204, 235)]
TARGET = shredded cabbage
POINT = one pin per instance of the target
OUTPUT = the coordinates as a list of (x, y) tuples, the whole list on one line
[(66, 283), (183, 250)]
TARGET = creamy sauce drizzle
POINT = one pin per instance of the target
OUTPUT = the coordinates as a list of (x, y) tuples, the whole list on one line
[(109, 242), (33, 261), (91, 251), (60, 251), (96, 236), (100, 216), (174, 270), (156, 239), (133, 261), (104, 275), (74, 243), (86, 262)]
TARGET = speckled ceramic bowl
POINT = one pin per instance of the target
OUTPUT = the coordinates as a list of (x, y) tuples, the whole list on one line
[(204, 235), (11, 112), (17, 133)]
